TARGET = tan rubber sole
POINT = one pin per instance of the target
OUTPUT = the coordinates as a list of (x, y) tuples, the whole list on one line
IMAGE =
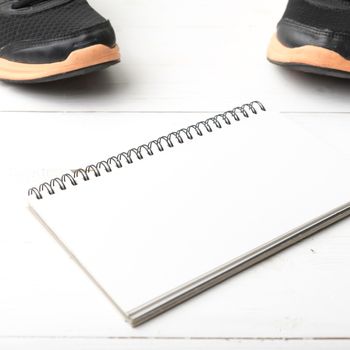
[(307, 55), (80, 59)]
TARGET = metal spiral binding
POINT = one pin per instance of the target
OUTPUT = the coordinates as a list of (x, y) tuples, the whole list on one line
[(128, 157)]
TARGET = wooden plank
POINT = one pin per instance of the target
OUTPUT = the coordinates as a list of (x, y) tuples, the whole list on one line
[(192, 56), (197, 55), (157, 344)]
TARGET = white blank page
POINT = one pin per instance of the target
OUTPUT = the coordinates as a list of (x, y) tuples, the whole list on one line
[(153, 225)]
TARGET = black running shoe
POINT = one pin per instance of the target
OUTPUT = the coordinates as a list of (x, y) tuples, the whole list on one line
[(314, 36), (44, 40)]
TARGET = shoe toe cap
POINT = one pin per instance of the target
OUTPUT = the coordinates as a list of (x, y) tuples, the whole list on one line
[(58, 49)]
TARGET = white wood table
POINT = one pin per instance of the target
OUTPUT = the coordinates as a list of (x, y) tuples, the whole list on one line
[(181, 61)]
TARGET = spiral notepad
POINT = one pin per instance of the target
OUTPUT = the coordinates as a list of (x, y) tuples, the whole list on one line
[(151, 226)]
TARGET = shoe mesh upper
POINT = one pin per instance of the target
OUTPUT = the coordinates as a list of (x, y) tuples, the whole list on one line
[(323, 14), (57, 22)]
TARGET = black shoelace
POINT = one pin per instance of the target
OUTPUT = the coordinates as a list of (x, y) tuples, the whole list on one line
[(18, 4)]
